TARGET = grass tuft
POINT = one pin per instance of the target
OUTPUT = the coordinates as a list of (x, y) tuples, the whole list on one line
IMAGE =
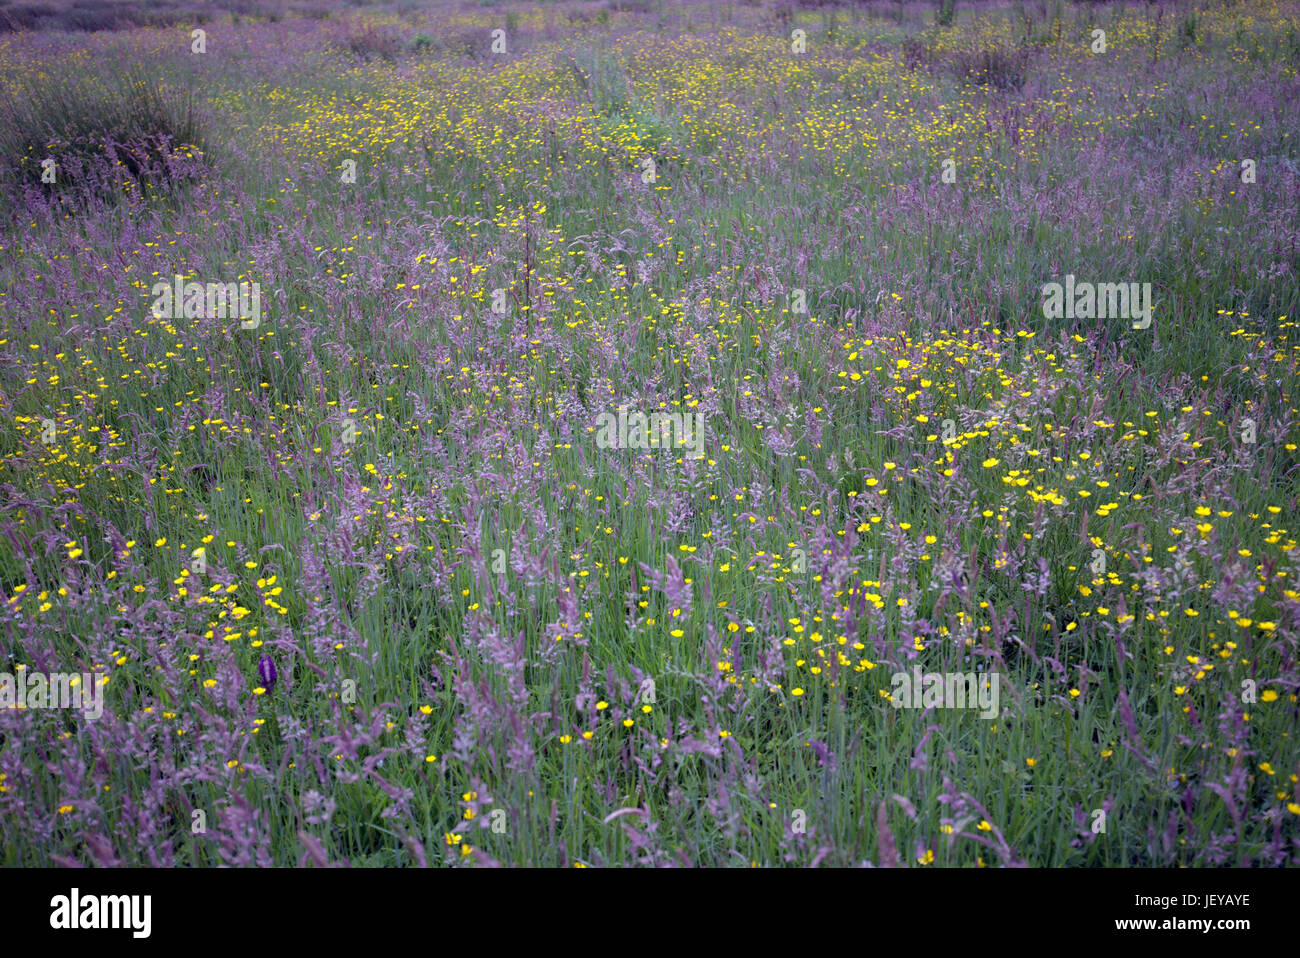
[(124, 133)]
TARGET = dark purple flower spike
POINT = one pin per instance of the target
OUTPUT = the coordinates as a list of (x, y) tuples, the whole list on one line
[(266, 672)]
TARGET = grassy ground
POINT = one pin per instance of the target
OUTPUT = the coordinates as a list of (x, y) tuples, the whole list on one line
[(496, 640)]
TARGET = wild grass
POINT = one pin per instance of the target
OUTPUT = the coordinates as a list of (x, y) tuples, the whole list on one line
[(498, 641), (67, 131)]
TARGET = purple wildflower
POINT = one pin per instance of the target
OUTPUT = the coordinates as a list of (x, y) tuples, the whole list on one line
[(266, 672)]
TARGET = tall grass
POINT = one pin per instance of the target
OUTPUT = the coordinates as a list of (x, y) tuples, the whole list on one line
[(671, 660), (109, 134)]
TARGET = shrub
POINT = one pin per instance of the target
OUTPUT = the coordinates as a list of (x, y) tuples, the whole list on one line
[(27, 16), (369, 41), (91, 16), (1003, 68)]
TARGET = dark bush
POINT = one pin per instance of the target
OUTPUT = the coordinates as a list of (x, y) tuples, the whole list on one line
[(108, 135), (368, 41), (27, 16), (1003, 68), (93, 16)]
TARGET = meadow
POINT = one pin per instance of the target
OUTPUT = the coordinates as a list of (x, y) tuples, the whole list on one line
[(638, 390)]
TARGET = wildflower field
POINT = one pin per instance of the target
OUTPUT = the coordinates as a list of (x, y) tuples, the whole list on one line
[(627, 408)]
